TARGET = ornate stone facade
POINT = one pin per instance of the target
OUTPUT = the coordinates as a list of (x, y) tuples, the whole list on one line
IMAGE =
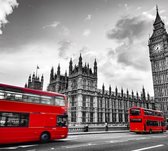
[(34, 82), (90, 105), (158, 49)]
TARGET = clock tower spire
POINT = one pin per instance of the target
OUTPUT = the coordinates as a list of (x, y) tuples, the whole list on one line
[(158, 19)]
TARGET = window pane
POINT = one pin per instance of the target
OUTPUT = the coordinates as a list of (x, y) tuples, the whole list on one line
[(2, 95), (9, 119), (60, 101), (135, 112), (31, 98), (62, 120), (148, 112), (18, 97), (46, 100), (10, 95), (24, 120)]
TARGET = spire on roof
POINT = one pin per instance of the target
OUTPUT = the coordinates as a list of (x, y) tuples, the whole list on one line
[(157, 19)]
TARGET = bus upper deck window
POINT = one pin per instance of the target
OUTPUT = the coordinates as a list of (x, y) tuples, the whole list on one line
[(59, 100), (46, 100), (135, 111), (2, 95)]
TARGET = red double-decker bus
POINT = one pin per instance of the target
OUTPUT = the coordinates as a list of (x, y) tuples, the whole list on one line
[(31, 115), (143, 120)]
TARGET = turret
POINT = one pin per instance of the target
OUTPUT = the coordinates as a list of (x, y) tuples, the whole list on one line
[(116, 91), (88, 69), (52, 74), (29, 80), (70, 67), (137, 95), (110, 90), (127, 94), (143, 94), (80, 62), (58, 70), (33, 78), (65, 75), (95, 68), (103, 88), (148, 97), (42, 79), (132, 95), (122, 93)]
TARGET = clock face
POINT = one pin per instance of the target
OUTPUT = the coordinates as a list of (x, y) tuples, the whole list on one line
[(157, 47)]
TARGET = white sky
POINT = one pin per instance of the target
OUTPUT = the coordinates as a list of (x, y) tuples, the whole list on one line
[(46, 33)]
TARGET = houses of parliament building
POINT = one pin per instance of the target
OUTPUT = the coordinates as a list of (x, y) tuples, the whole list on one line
[(87, 103), (90, 105)]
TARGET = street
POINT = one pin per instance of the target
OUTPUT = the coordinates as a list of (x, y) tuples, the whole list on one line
[(99, 142)]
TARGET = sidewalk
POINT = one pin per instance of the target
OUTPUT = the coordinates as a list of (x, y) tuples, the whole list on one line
[(98, 132)]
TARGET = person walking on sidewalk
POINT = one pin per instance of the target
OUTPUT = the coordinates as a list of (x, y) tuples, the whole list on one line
[(106, 126)]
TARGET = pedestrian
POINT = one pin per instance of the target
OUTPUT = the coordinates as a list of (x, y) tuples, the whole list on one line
[(106, 126)]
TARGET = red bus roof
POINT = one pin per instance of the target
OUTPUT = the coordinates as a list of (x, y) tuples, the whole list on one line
[(28, 90), (135, 107)]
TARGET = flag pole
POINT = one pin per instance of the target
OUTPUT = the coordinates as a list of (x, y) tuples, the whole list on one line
[(37, 70)]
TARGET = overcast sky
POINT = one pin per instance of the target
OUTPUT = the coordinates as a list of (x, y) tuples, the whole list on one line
[(49, 32)]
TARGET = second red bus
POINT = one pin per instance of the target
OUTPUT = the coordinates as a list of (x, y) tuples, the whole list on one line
[(143, 120)]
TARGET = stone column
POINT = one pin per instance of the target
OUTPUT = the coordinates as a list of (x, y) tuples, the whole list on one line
[(95, 109), (79, 108)]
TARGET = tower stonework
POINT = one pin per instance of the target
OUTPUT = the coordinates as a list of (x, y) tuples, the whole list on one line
[(82, 86), (90, 105), (158, 50), (34, 82), (58, 82)]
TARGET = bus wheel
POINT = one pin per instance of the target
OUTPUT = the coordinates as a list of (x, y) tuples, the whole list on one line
[(45, 137), (150, 131)]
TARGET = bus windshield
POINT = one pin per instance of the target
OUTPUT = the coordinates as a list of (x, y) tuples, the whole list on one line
[(60, 101), (135, 112)]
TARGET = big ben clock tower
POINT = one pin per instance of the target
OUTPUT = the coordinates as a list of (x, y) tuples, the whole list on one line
[(158, 50)]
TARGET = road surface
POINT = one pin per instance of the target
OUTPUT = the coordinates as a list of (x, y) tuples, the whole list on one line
[(99, 142)]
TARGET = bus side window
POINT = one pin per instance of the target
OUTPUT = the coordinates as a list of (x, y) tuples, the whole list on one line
[(24, 119), (148, 112), (2, 120), (46, 100), (10, 96), (2, 95), (25, 98), (18, 97), (30, 99), (10, 119), (59, 100), (36, 100)]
